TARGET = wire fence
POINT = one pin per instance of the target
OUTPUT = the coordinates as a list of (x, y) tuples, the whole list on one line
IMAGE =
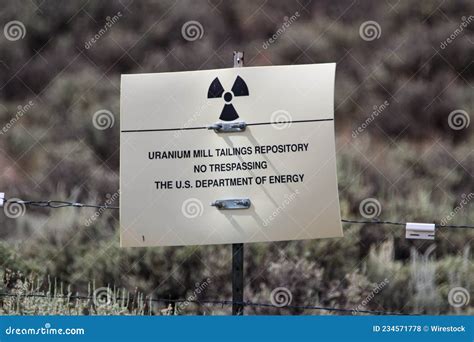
[(63, 204), (221, 303)]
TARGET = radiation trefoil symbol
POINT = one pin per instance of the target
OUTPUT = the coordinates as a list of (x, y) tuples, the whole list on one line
[(238, 89)]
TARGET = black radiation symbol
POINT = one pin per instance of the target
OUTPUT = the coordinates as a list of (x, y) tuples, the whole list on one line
[(238, 89)]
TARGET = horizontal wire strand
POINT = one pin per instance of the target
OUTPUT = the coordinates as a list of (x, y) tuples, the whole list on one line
[(211, 302), (62, 204)]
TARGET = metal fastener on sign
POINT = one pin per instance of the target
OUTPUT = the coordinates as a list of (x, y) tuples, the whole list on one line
[(240, 203)]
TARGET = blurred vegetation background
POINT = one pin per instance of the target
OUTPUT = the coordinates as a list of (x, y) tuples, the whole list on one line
[(408, 157)]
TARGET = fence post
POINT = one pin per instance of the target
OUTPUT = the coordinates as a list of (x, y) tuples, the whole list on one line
[(238, 248)]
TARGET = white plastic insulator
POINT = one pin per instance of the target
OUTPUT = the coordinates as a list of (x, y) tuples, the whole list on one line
[(421, 231)]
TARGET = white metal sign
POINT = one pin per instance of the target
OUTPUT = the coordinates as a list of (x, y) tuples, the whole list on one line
[(228, 156)]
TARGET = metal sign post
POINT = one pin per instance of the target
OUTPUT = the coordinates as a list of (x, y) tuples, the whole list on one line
[(238, 248)]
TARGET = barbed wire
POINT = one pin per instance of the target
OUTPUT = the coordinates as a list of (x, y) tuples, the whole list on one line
[(375, 221), (57, 204), (208, 302), (63, 204)]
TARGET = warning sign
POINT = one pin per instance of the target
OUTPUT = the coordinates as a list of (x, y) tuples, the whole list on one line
[(228, 156)]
